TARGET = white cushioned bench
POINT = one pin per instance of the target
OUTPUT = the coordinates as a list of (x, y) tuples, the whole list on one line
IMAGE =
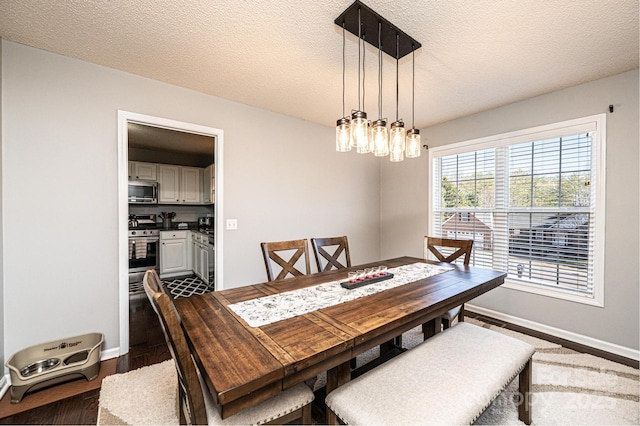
[(449, 379)]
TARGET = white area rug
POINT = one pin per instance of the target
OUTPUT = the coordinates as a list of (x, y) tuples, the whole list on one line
[(147, 396)]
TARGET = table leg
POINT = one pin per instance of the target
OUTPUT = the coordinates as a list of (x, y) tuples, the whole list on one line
[(431, 328)]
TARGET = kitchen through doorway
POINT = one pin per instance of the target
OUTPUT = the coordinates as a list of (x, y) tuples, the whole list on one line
[(170, 181)]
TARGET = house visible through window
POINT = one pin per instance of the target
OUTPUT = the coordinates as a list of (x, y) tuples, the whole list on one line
[(533, 203)]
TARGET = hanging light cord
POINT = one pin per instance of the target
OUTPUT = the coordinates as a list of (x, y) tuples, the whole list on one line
[(413, 88), (343, 69), (397, 84), (379, 71), (359, 39), (364, 75)]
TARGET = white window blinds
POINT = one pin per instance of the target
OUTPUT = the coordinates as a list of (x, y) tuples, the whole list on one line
[(531, 202)]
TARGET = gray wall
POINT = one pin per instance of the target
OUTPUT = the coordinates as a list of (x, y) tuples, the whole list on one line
[(404, 212), (3, 319), (283, 180)]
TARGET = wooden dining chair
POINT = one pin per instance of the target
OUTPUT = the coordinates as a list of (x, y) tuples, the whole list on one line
[(340, 259), (272, 254), (448, 250), (195, 402), (153, 280)]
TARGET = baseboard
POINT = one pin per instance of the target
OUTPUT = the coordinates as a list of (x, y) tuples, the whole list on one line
[(4, 385), (110, 353), (632, 354)]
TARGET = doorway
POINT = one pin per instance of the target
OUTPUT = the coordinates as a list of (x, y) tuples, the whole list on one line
[(126, 122)]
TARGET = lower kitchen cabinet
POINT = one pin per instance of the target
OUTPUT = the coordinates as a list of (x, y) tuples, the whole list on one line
[(202, 256), (174, 256)]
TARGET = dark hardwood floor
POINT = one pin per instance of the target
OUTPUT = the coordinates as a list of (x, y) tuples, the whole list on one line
[(147, 346)]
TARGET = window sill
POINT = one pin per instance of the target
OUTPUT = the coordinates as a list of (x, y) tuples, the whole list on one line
[(595, 300)]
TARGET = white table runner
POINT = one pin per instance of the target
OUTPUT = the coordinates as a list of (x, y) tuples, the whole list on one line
[(269, 309)]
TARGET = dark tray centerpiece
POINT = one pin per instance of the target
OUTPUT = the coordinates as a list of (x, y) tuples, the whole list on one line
[(366, 281)]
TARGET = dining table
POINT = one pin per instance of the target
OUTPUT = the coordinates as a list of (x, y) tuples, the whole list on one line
[(254, 341)]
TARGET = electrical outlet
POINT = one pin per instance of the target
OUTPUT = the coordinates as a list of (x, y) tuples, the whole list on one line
[(232, 224)]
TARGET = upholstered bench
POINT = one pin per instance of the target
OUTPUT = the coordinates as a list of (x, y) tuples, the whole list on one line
[(449, 379)]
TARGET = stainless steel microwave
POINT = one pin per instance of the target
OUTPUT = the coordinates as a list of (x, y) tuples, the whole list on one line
[(143, 192)]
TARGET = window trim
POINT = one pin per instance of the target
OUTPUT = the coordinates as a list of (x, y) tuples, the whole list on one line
[(563, 128)]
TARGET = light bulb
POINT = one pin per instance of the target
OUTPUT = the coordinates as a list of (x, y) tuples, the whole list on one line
[(360, 132), (380, 138), (413, 143), (397, 140), (343, 135)]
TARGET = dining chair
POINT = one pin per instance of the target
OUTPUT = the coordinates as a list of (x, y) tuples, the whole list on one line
[(154, 282), (273, 252), (195, 402), (340, 248), (448, 250)]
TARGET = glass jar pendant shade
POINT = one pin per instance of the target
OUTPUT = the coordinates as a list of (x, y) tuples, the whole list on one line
[(343, 135), (397, 136), (360, 132), (413, 143), (379, 138)]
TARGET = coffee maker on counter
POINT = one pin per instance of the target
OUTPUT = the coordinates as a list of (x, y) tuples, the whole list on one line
[(205, 223)]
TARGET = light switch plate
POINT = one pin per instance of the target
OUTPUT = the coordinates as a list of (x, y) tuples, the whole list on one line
[(232, 224)]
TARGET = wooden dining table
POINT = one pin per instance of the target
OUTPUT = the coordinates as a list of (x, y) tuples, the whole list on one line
[(244, 365)]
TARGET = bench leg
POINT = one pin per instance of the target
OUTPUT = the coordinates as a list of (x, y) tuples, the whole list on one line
[(524, 386)]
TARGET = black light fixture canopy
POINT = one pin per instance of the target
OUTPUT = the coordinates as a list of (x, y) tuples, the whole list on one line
[(370, 20)]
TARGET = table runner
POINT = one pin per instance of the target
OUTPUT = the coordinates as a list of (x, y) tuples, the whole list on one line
[(269, 309)]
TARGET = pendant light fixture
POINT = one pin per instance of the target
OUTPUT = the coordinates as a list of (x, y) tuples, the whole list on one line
[(343, 126), (374, 137), (398, 133), (379, 134), (413, 135), (359, 124)]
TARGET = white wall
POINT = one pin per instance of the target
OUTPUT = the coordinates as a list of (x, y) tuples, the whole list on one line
[(404, 212), (283, 180)]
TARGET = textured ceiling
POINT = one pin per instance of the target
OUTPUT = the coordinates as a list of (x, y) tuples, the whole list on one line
[(286, 55)]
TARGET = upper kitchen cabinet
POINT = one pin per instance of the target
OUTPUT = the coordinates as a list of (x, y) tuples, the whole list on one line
[(208, 185), (142, 171), (191, 185), (179, 185)]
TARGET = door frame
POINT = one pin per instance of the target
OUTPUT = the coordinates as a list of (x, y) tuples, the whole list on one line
[(125, 117)]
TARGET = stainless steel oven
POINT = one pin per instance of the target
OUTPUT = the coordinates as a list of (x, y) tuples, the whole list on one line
[(144, 246)]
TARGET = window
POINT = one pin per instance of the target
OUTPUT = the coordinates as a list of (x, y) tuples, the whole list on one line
[(532, 201)]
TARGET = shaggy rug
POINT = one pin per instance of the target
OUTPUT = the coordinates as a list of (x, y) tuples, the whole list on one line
[(569, 388), (144, 396)]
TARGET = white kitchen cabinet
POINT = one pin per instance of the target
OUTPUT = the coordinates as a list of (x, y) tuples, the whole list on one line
[(195, 251), (204, 264), (142, 171), (208, 185), (168, 184), (173, 253), (191, 185), (179, 185), (202, 256)]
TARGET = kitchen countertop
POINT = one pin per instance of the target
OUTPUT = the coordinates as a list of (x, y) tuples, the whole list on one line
[(192, 228)]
